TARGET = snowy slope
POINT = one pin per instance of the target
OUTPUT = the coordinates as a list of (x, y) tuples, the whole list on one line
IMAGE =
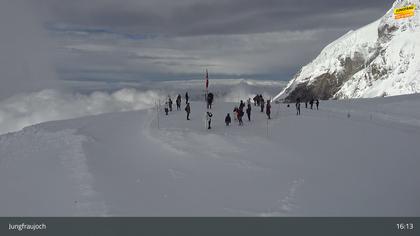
[(380, 59), (351, 158)]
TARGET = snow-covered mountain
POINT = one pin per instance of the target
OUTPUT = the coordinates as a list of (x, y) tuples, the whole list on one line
[(380, 59)]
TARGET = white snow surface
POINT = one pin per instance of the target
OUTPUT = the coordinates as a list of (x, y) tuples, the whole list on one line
[(350, 158), (395, 54)]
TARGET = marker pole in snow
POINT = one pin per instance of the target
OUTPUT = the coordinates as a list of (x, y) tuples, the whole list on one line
[(268, 135), (207, 88), (157, 113)]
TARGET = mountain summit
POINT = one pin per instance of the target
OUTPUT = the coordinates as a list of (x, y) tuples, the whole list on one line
[(380, 59)]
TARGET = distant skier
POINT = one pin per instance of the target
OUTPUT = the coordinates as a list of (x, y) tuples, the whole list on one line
[(248, 111), (209, 115), (268, 109), (228, 120), (317, 104), (188, 110), (166, 108), (170, 104), (178, 102), (312, 103), (186, 98), (210, 98)]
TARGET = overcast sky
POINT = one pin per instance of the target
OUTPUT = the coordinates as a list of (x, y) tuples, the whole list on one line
[(168, 39)]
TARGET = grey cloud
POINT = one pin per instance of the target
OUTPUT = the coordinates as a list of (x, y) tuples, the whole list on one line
[(234, 37), (215, 17)]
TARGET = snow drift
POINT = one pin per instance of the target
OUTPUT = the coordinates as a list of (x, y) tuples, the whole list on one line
[(380, 59)]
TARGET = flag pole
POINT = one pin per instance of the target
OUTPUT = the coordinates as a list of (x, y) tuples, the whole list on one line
[(207, 87)]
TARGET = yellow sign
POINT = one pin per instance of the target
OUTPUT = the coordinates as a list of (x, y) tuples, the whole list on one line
[(404, 12)]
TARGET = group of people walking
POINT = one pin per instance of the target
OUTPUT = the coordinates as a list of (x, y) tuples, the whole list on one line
[(311, 103), (238, 111), (169, 103)]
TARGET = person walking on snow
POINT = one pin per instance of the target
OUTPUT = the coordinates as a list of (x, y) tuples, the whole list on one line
[(241, 105), (268, 109), (186, 98), (188, 110), (228, 120), (209, 115), (240, 115), (256, 100), (210, 98), (170, 104), (166, 108), (262, 103), (312, 103), (317, 104), (178, 102), (248, 111), (236, 113), (298, 106)]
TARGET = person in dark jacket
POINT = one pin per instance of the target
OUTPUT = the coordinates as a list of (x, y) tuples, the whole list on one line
[(317, 104), (268, 109), (170, 104), (210, 98), (178, 102), (255, 100), (228, 120), (241, 105), (240, 115), (188, 110), (248, 111), (166, 108), (298, 108), (262, 103), (312, 103), (186, 98)]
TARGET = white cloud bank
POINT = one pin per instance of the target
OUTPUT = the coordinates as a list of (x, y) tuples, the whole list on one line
[(23, 110)]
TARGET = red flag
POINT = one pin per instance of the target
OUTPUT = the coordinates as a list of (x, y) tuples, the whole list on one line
[(207, 79)]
